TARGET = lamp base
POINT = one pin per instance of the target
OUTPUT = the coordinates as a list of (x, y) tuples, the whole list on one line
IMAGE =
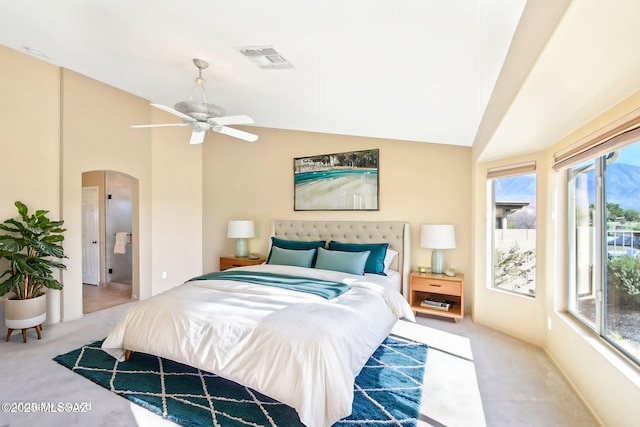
[(241, 248), (437, 261)]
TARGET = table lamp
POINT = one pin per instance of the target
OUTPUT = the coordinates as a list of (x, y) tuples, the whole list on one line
[(437, 237), (241, 230)]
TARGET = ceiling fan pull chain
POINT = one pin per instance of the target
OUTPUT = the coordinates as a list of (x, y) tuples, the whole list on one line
[(199, 83)]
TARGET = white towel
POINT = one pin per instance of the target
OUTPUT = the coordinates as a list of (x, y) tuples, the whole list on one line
[(121, 243)]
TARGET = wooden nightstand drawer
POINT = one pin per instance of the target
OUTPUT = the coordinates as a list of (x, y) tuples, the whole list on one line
[(436, 286), (231, 262)]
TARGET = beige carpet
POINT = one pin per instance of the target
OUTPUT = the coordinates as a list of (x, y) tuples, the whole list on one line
[(474, 377)]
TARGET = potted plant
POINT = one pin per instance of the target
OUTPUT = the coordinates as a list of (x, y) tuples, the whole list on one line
[(32, 247)]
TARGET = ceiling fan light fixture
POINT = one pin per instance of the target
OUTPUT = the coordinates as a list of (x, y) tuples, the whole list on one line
[(199, 110)]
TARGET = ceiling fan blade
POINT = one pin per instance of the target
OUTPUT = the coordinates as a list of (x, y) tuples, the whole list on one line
[(174, 112), (159, 125), (236, 133), (230, 120), (196, 137)]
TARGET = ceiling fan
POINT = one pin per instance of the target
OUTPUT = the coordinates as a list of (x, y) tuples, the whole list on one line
[(203, 116)]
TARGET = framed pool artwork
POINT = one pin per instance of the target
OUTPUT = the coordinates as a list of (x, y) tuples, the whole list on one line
[(337, 182)]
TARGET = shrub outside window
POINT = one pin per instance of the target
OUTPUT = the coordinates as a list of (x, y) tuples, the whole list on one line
[(514, 230)]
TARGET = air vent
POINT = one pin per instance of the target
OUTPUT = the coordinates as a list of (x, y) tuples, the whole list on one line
[(265, 57)]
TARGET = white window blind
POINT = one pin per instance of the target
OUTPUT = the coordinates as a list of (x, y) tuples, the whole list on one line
[(618, 134), (511, 170)]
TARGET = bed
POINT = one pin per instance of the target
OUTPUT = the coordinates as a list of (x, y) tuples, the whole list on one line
[(301, 348)]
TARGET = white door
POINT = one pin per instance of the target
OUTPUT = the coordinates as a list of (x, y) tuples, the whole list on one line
[(90, 233)]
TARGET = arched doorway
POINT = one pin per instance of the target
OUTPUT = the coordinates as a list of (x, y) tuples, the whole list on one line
[(108, 202)]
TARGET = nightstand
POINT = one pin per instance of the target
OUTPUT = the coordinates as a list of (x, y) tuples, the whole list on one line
[(227, 262), (437, 286)]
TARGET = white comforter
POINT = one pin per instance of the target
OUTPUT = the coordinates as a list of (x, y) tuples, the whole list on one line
[(298, 348)]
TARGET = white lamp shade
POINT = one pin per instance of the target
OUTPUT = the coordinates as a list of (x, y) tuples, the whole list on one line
[(240, 230), (437, 236)]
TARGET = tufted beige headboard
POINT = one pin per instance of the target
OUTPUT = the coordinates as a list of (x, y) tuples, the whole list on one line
[(396, 233)]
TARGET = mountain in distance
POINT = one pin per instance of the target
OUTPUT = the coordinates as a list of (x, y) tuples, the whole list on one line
[(622, 186)]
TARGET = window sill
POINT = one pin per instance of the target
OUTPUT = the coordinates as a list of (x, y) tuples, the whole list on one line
[(528, 297), (612, 355)]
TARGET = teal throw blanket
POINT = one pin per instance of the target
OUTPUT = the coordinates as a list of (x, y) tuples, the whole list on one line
[(324, 288)]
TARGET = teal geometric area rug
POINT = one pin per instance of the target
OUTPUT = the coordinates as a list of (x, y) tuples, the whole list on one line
[(387, 390)]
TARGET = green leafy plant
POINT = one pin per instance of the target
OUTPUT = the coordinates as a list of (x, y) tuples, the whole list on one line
[(624, 280), (32, 248), (513, 267)]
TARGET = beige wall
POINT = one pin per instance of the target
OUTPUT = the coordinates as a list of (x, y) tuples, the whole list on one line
[(30, 142), (176, 204), (30, 129), (419, 183), (517, 315), (608, 384), (83, 125), (96, 135)]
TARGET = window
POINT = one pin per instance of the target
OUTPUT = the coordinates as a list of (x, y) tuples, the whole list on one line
[(604, 241), (513, 228)]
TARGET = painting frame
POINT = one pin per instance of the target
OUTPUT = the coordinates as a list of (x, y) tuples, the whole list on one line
[(346, 181)]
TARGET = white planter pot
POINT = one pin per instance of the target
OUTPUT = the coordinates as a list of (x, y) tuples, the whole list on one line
[(23, 314)]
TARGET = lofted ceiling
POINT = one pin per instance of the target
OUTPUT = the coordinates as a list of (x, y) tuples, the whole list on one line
[(463, 72)]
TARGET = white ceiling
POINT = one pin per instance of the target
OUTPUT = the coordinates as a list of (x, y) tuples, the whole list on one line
[(589, 63), (418, 70)]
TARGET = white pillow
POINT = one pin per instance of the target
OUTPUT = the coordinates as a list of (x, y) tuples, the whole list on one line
[(388, 258)]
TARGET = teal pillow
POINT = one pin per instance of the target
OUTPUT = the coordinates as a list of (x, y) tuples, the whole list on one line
[(348, 262), (295, 244), (375, 263), (298, 258)]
